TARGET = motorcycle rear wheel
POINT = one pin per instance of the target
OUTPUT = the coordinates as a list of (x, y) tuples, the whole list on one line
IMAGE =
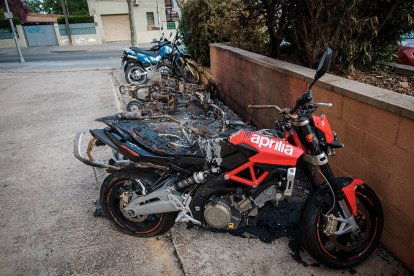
[(348, 249), (136, 74), (113, 190)]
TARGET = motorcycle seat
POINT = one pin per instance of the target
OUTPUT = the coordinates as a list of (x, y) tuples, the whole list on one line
[(145, 52), (153, 141)]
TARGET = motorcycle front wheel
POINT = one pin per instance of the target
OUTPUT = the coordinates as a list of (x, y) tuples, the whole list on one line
[(116, 191), (349, 249), (190, 73), (136, 74)]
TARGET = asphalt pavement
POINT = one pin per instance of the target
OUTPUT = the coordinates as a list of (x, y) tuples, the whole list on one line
[(47, 197), (51, 57)]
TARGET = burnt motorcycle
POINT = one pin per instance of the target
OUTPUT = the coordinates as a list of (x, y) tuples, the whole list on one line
[(226, 182)]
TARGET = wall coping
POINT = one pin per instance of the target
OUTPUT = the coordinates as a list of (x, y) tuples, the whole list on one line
[(391, 101)]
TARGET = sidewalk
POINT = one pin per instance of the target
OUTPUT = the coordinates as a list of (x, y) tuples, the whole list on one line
[(63, 49)]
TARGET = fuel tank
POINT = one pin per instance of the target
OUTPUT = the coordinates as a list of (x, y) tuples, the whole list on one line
[(270, 150)]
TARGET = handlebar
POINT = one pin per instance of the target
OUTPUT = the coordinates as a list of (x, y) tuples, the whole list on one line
[(264, 106), (287, 112)]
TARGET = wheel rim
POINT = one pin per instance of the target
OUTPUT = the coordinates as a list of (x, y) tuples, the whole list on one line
[(137, 75), (116, 200), (133, 107), (349, 246), (192, 75)]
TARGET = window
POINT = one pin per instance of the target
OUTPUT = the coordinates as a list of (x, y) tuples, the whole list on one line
[(150, 18)]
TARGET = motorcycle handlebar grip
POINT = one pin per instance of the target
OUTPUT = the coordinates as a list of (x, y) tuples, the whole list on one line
[(324, 104)]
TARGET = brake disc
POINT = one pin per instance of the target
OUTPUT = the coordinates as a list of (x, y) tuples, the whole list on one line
[(358, 240)]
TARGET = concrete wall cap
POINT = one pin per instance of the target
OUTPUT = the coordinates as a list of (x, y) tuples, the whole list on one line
[(391, 101)]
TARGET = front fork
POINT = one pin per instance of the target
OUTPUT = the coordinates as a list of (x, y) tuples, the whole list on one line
[(319, 158)]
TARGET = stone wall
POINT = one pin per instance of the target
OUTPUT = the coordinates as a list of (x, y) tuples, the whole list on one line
[(376, 126)]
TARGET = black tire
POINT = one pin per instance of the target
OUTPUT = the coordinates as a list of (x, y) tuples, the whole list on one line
[(146, 226), (191, 76), (136, 74), (134, 106), (338, 251)]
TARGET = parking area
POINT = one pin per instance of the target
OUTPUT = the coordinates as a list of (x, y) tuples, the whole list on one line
[(47, 198)]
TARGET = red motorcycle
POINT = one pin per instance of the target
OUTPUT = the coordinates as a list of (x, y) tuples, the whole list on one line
[(225, 182)]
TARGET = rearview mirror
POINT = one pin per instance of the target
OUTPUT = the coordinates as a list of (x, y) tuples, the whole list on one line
[(324, 64)]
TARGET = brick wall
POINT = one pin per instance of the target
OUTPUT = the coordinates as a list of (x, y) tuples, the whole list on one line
[(376, 126)]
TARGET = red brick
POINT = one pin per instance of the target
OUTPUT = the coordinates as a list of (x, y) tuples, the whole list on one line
[(400, 250), (376, 121), (351, 136), (396, 223), (379, 180), (295, 88), (338, 172), (405, 139), (388, 157), (351, 162), (323, 95), (400, 193)]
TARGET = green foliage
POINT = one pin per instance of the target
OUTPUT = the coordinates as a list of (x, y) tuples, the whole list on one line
[(362, 33), (35, 6), (17, 7), (77, 19), (209, 21), (4, 23), (74, 7)]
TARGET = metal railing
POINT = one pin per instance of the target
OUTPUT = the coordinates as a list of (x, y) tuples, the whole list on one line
[(6, 33), (78, 29)]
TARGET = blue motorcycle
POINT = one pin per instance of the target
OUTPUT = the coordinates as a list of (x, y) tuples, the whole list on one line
[(165, 57)]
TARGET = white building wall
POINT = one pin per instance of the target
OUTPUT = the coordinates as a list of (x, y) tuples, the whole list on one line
[(97, 8)]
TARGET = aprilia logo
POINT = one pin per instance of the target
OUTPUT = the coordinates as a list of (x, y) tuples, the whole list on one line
[(278, 145)]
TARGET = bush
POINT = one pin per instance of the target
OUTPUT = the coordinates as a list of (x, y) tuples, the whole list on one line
[(204, 22), (77, 19), (362, 33), (4, 23)]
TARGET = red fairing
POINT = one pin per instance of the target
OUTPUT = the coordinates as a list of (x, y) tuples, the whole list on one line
[(322, 123), (296, 140), (349, 192), (271, 150)]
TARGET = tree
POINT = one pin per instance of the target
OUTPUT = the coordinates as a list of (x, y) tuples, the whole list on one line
[(276, 19), (204, 22), (361, 32), (74, 7), (134, 40), (17, 7)]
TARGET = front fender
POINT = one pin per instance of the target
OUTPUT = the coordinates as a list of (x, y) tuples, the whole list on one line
[(349, 192)]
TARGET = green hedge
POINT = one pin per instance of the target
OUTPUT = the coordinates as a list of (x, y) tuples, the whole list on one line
[(4, 23), (77, 19)]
